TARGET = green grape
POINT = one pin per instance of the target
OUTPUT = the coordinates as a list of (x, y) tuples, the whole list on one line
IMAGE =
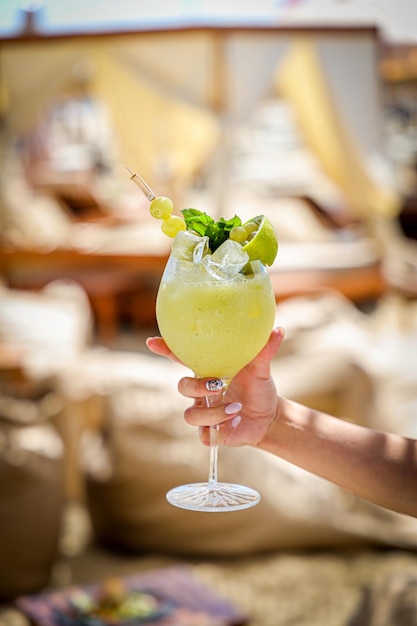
[(172, 225), (250, 227), (238, 233), (161, 208)]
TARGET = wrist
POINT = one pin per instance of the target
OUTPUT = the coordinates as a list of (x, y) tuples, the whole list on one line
[(271, 434)]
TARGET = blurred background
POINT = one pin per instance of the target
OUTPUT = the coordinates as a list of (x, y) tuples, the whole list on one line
[(303, 110)]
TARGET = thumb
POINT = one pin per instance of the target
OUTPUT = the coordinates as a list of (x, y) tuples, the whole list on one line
[(262, 362)]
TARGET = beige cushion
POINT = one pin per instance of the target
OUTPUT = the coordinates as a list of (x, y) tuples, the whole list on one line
[(54, 323)]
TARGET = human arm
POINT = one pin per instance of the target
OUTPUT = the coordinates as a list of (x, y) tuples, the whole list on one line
[(377, 466)]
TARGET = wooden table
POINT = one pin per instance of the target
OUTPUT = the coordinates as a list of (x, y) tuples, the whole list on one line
[(358, 284), (107, 278)]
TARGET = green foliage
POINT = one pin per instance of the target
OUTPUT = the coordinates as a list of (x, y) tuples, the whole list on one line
[(205, 226)]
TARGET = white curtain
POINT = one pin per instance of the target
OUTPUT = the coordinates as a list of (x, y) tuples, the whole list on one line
[(172, 96)]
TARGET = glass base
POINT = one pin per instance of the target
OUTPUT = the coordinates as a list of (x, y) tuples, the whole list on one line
[(213, 497)]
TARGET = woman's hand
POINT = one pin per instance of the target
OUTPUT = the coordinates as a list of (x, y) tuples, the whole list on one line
[(250, 405)]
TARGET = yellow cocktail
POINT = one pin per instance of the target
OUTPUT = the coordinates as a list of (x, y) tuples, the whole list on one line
[(215, 326)]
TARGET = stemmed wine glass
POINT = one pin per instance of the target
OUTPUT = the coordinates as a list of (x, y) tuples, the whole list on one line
[(215, 312)]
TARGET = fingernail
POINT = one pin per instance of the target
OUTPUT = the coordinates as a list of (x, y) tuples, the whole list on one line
[(233, 407), (215, 384), (235, 421)]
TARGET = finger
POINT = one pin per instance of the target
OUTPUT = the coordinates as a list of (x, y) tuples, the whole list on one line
[(262, 362), (204, 434), (225, 433), (200, 387), (272, 345), (158, 346), (198, 415)]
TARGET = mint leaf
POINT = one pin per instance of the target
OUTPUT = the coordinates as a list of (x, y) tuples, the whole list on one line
[(198, 221), (205, 226)]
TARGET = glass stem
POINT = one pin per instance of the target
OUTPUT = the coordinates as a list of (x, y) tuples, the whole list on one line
[(214, 455), (214, 431)]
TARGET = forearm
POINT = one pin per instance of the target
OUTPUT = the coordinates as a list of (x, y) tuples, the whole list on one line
[(380, 467)]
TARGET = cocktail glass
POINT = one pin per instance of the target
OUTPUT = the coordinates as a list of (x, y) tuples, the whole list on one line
[(215, 312)]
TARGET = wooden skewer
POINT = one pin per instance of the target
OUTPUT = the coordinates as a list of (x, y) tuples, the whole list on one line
[(143, 186)]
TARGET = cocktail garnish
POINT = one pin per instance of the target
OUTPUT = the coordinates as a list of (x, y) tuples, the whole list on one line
[(201, 223), (143, 186), (257, 237)]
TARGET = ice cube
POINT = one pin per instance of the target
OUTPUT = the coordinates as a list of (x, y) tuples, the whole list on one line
[(201, 249), (227, 261), (187, 245)]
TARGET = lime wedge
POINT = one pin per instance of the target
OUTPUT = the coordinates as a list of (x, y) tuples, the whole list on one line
[(263, 244)]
